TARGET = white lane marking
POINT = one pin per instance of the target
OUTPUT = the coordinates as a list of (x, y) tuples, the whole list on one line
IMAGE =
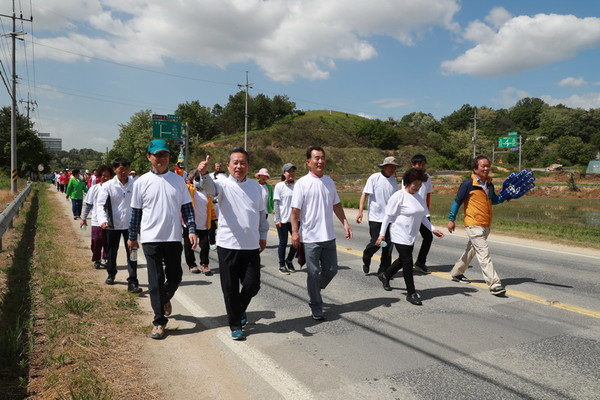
[(285, 384)]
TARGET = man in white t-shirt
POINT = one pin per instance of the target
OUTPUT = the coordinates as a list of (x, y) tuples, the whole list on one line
[(114, 213), (314, 201), (379, 188), (160, 198), (420, 161), (241, 237)]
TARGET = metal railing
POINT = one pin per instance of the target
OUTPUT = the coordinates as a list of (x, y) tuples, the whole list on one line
[(7, 215)]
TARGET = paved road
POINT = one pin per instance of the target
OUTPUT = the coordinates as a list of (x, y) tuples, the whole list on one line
[(542, 341)]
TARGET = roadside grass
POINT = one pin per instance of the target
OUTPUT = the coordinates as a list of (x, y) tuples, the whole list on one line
[(73, 337), (573, 222), (15, 306)]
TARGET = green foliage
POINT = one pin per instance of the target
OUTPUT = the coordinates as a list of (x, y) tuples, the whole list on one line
[(30, 149), (526, 114), (382, 134), (133, 140)]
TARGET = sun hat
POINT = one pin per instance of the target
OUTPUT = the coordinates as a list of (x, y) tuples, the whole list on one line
[(389, 161), (287, 167), (158, 145), (263, 171)]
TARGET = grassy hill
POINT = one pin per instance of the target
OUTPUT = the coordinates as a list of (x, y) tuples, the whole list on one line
[(288, 139)]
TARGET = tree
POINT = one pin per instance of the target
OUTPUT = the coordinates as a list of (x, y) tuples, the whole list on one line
[(263, 108), (200, 119), (573, 149), (381, 134), (30, 148), (460, 119), (282, 106), (133, 140), (526, 114), (234, 112)]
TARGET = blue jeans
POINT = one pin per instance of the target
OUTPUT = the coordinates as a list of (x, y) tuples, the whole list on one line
[(76, 207), (283, 231), (321, 264)]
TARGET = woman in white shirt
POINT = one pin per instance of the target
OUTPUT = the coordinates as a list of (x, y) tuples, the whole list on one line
[(406, 211)]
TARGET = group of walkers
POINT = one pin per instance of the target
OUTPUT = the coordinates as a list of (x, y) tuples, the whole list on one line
[(161, 207)]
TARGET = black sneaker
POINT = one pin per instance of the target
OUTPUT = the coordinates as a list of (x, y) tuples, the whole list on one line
[(134, 288), (97, 265), (413, 298), (366, 269), (110, 280), (498, 290), (422, 268), (290, 266), (385, 281), (461, 278), (284, 270)]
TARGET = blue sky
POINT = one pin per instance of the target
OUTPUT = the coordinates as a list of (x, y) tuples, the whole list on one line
[(91, 65)]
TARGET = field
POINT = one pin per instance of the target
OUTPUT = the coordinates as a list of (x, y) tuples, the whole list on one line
[(562, 220)]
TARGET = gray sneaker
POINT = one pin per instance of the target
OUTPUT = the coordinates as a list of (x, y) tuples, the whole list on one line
[(497, 290)]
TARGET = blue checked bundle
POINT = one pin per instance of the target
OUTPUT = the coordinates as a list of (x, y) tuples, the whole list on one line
[(517, 184)]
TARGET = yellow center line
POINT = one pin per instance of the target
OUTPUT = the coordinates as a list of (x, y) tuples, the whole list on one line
[(509, 292)]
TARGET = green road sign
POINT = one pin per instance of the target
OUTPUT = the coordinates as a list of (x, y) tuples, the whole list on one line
[(166, 126), (513, 133), (507, 141)]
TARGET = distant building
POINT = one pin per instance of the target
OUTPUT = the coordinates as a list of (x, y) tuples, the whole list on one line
[(51, 144)]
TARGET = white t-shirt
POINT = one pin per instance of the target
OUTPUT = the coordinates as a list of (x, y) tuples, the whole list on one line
[(200, 209), (120, 202), (160, 198), (315, 198), (283, 192), (241, 208), (92, 198), (405, 212), (380, 189)]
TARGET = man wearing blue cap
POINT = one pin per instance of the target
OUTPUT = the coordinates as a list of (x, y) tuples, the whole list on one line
[(159, 199)]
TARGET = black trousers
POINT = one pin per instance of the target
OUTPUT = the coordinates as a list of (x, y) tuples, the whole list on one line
[(425, 245), (112, 243), (238, 267), (404, 261), (371, 249), (164, 275), (203, 245)]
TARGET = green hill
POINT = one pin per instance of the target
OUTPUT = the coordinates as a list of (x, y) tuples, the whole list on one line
[(288, 139)]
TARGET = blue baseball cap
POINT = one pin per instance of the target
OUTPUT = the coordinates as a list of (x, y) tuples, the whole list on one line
[(158, 145)]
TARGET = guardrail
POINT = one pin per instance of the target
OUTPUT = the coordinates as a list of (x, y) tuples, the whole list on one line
[(7, 215)]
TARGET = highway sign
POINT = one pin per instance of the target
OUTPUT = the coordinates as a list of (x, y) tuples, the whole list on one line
[(513, 133), (166, 126), (179, 142), (507, 141)]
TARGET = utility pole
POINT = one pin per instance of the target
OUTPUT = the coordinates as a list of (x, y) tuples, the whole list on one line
[(13, 95), (474, 138), (247, 85), (30, 105)]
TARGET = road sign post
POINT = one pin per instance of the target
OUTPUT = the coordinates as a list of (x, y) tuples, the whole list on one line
[(166, 126)]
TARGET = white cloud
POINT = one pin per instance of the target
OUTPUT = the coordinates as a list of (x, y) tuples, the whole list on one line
[(498, 16), (574, 82), (510, 96), (286, 38), (585, 101), (524, 43), (392, 103)]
